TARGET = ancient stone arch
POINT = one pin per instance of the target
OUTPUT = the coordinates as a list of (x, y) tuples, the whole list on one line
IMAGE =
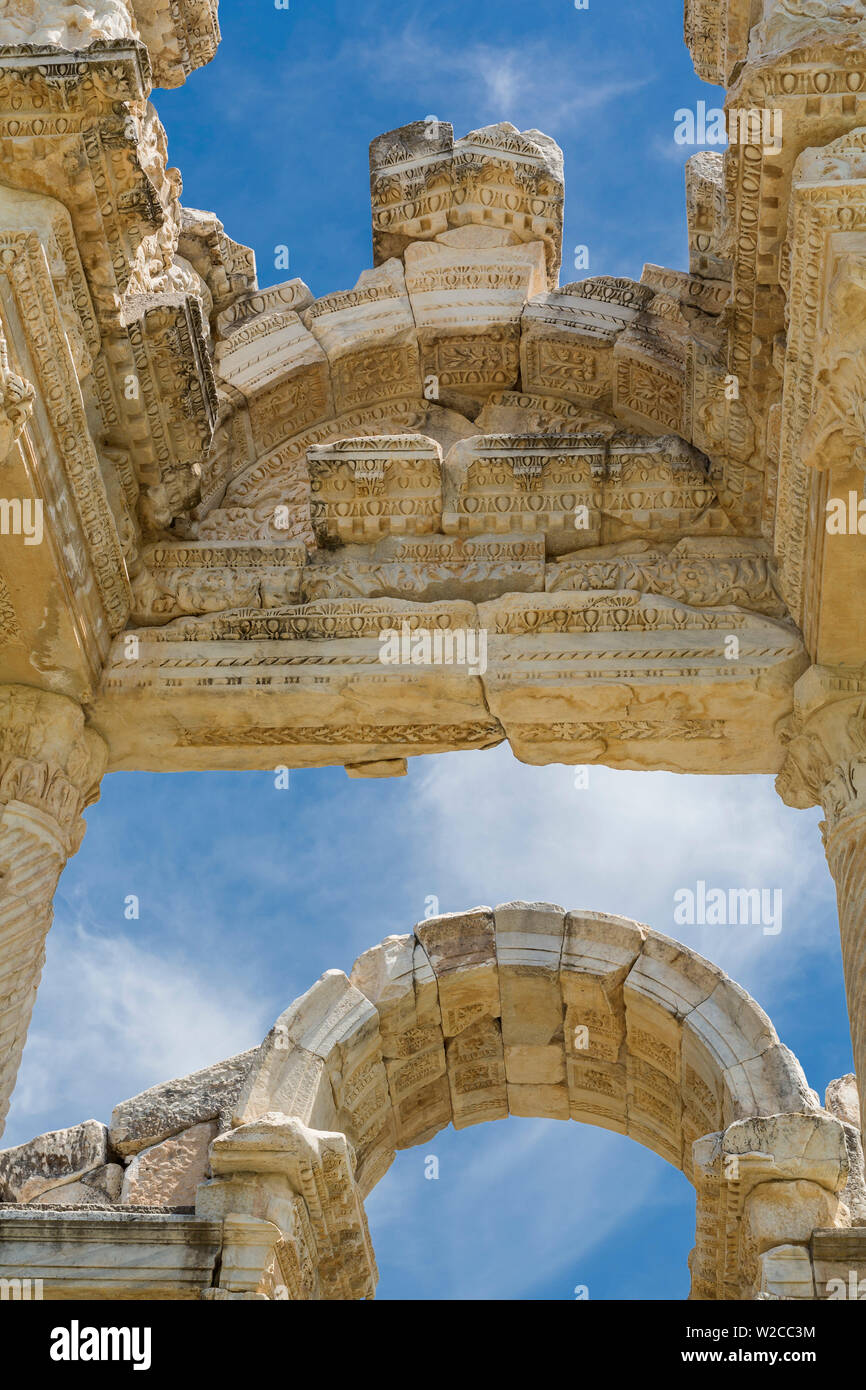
[(530, 1011), (525, 1010)]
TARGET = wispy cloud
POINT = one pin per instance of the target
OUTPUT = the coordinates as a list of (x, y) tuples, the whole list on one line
[(115, 1017), (533, 84), (449, 1237)]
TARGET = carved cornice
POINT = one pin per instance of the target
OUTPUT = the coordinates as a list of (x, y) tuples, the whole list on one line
[(178, 35)]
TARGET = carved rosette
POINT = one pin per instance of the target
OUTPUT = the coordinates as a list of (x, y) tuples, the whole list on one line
[(50, 768)]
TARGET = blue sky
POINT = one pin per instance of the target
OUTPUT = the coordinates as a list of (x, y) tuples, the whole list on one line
[(247, 893)]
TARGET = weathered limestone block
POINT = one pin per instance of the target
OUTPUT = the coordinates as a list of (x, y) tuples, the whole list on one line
[(359, 1083), (567, 337), (839, 1263), (195, 578), (460, 947), (790, 1163), (369, 336), (703, 571), (583, 490), (429, 568), (842, 1099), (691, 291), (385, 975), (467, 305), (249, 1258), (732, 1027), (597, 953), (168, 1174), (16, 404), (529, 941), (60, 25), (173, 1106), (109, 1255), (650, 368), (717, 35), (322, 1062), (277, 364), (99, 1188), (423, 182), (258, 1192), (410, 185), (515, 412), (607, 715), (511, 179), (225, 268), (795, 1147), (179, 37), (786, 1272), (63, 1155), (854, 1192), (664, 986), (775, 1078), (288, 1072), (786, 23), (413, 1052), (704, 1094), (706, 209), (253, 304), (319, 1166), (363, 489), (787, 1211), (826, 765), (378, 768), (476, 1074), (502, 483)]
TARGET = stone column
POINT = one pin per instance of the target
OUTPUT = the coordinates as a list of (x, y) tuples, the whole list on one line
[(50, 769), (826, 766)]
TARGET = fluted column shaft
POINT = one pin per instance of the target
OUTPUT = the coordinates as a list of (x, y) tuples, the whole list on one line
[(846, 856)]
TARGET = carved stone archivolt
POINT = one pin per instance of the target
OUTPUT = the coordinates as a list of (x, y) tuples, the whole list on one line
[(523, 1010)]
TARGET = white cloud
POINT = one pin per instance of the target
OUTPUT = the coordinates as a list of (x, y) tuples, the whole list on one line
[(113, 1018), (451, 1236), (531, 84), (497, 829)]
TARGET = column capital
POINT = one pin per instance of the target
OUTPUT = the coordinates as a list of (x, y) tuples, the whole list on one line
[(49, 759), (826, 747)]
